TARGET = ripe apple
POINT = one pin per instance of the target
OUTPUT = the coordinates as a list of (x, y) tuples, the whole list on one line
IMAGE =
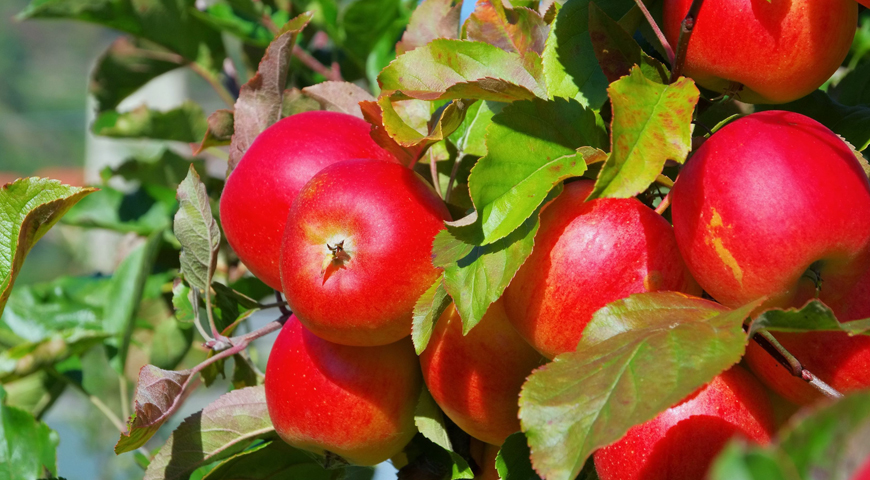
[(260, 190), (356, 402), (357, 251), (766, 204), (863, 473), (476, 379), (779, 51), (682, 442), (588, 254)]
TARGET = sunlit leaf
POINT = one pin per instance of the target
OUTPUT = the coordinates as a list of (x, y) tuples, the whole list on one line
[(518, 29), (427, 310), (431, 19), (197, 232), (812, 317), (158, 395)]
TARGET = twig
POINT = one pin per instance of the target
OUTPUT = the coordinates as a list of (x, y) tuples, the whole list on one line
[(282, 305), (220, 342), (218, 87), (196, 320), (658, 31), (664, 204), (330, 73), (686, 28), (95, 400), (433, 171), (767, 341), (453, 174)]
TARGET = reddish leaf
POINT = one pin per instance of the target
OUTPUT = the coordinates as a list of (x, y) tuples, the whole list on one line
[(219, 133), (517, 30), (373, 114), (158, 395), (339, 96), (432, 19), (617, 51)]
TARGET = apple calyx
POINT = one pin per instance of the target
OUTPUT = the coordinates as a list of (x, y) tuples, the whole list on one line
[(336, 257)]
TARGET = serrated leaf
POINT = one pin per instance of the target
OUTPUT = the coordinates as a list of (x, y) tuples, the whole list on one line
[(431, 19), (134, 212), (429, 420), (29, 207), (617, 51), (453, 69), (375, 116), (652, 123), (531, 147), (850, 122), (260, 100), (273, 460), (427, 310), (815, 316), (125, 67), (219, 131), (341, 97), (197, 232), (589, 398), (158, 395), (513, 461), (433, 129), (186, 123), (222, 429), (28, 448), (570, 67), (518, 29)]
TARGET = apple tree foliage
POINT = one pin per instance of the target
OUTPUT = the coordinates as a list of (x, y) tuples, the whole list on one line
[(496, 111)]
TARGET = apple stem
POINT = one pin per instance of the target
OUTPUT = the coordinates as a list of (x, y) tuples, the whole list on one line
[(658, 31), (664, 204), (433, 171), (686, 28), (767, 341)]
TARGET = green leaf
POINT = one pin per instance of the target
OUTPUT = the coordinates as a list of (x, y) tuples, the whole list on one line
[(247, 26), (476, 276), (375, 116), (434, 129), (197, 232), (28, 448), (531, 147), (513, 460), (739, 461), (219, 132), (813, 317), (850, 122), (520, 30), (452, 69), (158, 393), (271, 460), (160, 177), (652, 123), (125, 294), (854, 88), (617, 51), (427, 310), (136, 212), (171, 342), (431, 19), (570, 66), (186, 123), (125, 67), (363, 22), (222, 429), (589, 398), (261, 99), (429, 420), (29, 207), (470, 137), (30, 357), (433, 461)]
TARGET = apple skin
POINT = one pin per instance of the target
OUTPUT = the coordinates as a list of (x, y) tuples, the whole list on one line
[(765, 198), (780, 50), (356, 402), (476, 379), (260, 190), (386, 217), (586, 255), (863, 473), (682, 442)]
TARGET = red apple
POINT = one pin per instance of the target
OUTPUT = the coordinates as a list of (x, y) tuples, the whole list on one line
[(476, 379), (778, 50), (588, 254), (261, 189), (863, 473), (356, 402), (768, 201), (682, 442), (357, 251)]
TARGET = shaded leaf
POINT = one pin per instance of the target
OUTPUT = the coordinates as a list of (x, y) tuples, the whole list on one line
[(160, 175), (28, 448), (470, 137), (29, 207), (513, 461), (158, 395), (222, 429), (431, 19), (589, 398), (363, 23), (854, 88), (171, 342), (271, 460), (246, 25), (813, 317), (434, 129), (850, 122), (652, 123), (453, 69), (570, 66), (295, 102), (518, 30), (375, 116), (219, 131), (186, 123), (260, 100), (137, 212), (617, 51), (197, 232), (739, 461), (341, 97), (30, 357), (427, 310)]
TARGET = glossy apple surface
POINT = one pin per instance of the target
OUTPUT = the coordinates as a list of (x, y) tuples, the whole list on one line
[(356, 402), (682, 442), (779, 51), (259, 192), (586, 255), (766, 198), (383, 217), (476, 379)]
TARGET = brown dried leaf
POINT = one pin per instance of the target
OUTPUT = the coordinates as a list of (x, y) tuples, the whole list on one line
[(341, 97)]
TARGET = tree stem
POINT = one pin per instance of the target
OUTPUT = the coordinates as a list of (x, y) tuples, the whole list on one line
[(686, 29), (433, 171), (767, 341), (658, 31)]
